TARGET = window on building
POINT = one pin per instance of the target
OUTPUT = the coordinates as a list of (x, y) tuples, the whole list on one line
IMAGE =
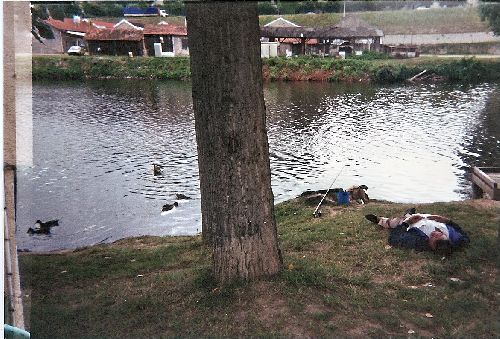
[(184, 43), (167, 45)]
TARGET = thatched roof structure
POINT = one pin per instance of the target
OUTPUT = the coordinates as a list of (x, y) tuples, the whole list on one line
[(349, 27)]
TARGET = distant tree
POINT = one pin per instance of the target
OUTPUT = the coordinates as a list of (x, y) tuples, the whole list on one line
[(93, 9), (267, 8), (233, 152), (56, 11), (39, 29), (491, 11)]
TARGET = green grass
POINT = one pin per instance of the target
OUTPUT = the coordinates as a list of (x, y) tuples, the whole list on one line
[(437, 21), (339, 280), (432, 21), (171, 20)]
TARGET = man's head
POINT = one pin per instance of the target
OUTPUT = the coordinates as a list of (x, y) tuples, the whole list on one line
[(439, 242)]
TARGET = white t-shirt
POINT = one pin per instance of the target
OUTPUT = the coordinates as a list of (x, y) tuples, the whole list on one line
[(428, 226)]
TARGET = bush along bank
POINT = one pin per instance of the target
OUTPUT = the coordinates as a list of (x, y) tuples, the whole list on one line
[(89, 67), (371, 67), (380, 70)]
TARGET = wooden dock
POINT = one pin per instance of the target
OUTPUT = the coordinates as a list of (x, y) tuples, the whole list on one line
[(486, 180)]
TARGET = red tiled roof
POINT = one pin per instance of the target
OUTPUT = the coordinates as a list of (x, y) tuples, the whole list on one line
[(69, 25), (102, 23), (114, 34), (164, 30)]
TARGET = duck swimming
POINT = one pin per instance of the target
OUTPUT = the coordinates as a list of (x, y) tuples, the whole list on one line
[(168, 207), (181, 196), (43, 227), (157, 169)]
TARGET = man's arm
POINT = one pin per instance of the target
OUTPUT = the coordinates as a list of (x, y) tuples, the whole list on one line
[(413, 219), (439, 218)]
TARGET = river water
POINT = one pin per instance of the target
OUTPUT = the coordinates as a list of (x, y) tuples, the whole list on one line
[(94, 144)]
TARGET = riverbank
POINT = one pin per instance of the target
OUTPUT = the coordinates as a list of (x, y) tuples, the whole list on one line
[(340, 280), (366, 69)]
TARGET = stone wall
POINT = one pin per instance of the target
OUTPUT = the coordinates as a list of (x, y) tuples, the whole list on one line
[(454, 38)]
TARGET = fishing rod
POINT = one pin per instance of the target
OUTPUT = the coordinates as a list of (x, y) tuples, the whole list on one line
[(316, 213)]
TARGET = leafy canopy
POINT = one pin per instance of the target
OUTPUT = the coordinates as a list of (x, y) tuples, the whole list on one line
[(491, 12)]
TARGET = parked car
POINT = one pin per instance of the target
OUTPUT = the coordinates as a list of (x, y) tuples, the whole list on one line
[(76, 50)]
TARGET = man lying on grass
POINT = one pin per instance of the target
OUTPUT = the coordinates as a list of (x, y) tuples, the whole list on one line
[(423, 232)]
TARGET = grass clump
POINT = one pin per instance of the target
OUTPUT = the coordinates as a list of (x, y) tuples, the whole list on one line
[(336, 268)]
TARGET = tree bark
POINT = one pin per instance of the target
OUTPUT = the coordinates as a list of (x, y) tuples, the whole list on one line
[(237, 202)]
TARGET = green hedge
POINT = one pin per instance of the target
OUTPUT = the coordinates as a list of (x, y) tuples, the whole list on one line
[(368, 68), (88, 67)]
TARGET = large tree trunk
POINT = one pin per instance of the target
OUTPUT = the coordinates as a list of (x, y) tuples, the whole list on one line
[(233, 153)]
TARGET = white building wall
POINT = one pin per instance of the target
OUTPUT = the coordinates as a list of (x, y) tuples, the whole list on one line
[(454, 38), (177, 46), (49, 46)]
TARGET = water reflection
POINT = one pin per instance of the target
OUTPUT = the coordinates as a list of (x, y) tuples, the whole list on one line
[(402, 142), (94, 144)]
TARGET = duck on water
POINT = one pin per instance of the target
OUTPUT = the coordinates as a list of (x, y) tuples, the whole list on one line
[(43, 227), (157, 169), (168, 207)]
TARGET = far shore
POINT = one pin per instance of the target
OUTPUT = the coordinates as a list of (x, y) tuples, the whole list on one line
[(370, 68)]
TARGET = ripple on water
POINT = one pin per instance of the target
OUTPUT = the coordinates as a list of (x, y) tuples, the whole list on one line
[(405, 143)]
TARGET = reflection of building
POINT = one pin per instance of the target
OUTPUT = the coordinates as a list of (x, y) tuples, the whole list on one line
[(351, 35)]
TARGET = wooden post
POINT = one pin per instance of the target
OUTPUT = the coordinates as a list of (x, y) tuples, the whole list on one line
[(144, 49), (477, 192), (486, 180)]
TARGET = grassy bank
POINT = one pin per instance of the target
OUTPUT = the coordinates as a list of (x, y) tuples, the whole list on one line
[(63, 67), (340, 280), (431, 21), (363, 69), (306, 68)]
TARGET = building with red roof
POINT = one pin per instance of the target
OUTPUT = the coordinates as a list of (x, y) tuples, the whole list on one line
[(68, 32), (115, 41), (121, 38), (171, 37)]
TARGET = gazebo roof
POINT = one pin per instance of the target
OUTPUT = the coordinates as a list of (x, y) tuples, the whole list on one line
[(349, 27)]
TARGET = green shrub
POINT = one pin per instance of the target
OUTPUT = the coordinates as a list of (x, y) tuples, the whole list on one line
[(463, 70), (371, 55)]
